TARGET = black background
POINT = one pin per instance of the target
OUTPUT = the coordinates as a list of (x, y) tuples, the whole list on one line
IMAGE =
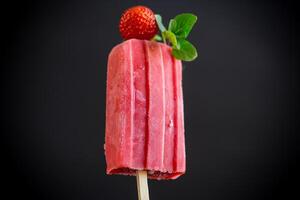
[(241, 100)]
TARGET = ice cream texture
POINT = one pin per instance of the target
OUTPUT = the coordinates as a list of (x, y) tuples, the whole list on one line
[(144, 111)]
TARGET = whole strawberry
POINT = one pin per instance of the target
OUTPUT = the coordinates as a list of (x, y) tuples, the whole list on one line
[(138, 22)]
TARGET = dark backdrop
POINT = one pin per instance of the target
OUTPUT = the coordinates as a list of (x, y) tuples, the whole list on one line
[(240, 100)]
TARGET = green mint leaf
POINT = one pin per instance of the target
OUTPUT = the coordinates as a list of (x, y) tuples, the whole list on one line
[(171, 37), (184, 24), (159, 23), (172, 25), (178, 30), (157, 38), (186, 51)]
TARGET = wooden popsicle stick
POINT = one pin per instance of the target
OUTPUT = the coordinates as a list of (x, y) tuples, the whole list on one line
[(142, 185)]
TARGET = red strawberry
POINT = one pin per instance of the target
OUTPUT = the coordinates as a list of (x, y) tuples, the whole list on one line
[(138, 22)]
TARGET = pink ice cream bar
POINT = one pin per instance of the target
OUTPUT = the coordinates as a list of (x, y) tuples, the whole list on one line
[(144, 111)]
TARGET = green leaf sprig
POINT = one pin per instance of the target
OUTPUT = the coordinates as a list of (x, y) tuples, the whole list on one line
[(176, 34)]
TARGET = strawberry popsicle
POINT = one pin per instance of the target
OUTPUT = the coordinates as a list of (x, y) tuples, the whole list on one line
[(144, 111)]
